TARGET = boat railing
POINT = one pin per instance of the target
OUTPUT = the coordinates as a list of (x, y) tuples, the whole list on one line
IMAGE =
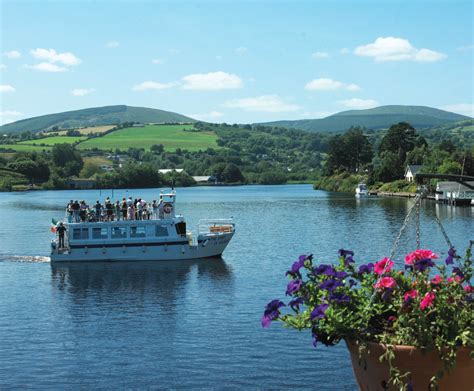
[(215, 226)]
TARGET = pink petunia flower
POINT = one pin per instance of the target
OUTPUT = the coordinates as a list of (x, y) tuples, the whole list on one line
[(410, 295), (468, 289), (385, 282), (383, 266), (456, 279), (427, 300), (437, 280), (418, 255)]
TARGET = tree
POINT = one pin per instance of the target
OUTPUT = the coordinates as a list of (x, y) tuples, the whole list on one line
[(389, 168), (401, 138), (232, 174), (34, 170), (157, 148), (67, 158)]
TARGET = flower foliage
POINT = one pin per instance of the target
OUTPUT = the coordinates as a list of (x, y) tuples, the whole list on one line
[(428, 305)]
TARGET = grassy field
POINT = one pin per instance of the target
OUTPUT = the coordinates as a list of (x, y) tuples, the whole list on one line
[(83, 131), (171, 136), (50, 141), (25, 147)]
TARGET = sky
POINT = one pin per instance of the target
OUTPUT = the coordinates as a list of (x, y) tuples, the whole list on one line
[(235, 61)]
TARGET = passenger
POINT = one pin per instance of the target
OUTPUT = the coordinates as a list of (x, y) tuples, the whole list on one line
[(129, 201), (76, 209), (124, 208), (117, 210), (154, 206), (60, 230), (82, 212), (97, 208), (135, 209), (139, 209), (69, 211), (131, 212), (109, 210), (161, 210)]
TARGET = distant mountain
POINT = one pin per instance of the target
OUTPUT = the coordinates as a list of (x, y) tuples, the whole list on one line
[(377, 118), (107, 115)]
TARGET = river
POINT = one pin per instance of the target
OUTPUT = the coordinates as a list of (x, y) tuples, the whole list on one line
[(189, 324)]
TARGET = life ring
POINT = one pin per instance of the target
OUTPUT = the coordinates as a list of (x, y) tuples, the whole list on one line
[(167, 207)]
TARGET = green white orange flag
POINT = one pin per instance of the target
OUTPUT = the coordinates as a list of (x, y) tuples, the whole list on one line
[(53, 225)]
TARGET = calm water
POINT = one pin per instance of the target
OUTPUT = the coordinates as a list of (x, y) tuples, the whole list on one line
[(188, 324)]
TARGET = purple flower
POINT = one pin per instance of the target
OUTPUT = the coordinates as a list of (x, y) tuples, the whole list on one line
[(295, 304), (319, 311), (423, 264), (328, 270), (345, 253), (295, 268), (348, 260), (387, 294), (451, 255), (340, 275), (366, 268), (293, 286), (272, 311), (330, 285), (458, 272), (340, 298)]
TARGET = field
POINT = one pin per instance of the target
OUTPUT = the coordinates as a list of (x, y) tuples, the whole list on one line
[(50, 141), (25, 147), (171, 136), (83, 131)]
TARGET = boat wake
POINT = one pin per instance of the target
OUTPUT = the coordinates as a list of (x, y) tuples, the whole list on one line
[(24, 258)]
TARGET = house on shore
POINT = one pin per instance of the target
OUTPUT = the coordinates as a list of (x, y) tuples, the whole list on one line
[(81, 183), (411, 171), (168, 170), (205, 179)]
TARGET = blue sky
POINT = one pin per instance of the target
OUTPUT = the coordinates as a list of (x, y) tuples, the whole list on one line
[(244, 61)]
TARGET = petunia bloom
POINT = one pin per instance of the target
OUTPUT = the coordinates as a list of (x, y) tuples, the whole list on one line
[(451, 255), (330, 285), (468, 289), (295, 268), (293, 286), (319, 311), (328, 270), (345, 253), (427, 300), (295, 304), (418, 255), (383, 266), (410, 295), (272, 311), (366, 268), (437, 280), (386, 282), (340, 297)]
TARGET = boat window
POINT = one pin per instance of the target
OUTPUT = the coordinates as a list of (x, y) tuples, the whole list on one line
[(137, 232), (100, 233), (181, 228), (119, 232), (161, 230), (80, 233)]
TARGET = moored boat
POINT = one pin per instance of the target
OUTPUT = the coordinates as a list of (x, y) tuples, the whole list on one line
[(162, 237), (362, 190)]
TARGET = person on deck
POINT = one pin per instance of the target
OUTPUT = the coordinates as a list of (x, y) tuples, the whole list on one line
[(117, 210), (76, 208), (61, 230), (124, 208), (97, 208)]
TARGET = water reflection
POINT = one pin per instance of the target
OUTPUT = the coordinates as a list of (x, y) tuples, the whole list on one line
[(164, 280)]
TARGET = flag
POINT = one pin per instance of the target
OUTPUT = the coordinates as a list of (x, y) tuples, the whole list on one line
[(53, 225)]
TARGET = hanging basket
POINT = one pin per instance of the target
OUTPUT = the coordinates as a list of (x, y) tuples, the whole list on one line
[(372, 374)]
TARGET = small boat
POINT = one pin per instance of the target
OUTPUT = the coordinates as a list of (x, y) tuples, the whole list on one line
[(162, 237), (362, 190)]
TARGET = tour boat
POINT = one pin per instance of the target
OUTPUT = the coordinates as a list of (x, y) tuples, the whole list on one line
[(362, 190), (160, 238)]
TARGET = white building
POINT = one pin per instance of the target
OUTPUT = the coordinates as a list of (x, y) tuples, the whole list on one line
[(411, 171)]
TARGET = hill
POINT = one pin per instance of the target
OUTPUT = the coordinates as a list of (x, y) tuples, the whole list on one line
[(94, 116), (382, 117)]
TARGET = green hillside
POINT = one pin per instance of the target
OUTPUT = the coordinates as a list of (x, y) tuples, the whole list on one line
[(382, 117), (170, 136), (95, 116), (461, 133)]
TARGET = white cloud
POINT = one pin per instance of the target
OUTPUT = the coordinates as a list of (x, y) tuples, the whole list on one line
[(46, 67), (212, 81), (12, 54), (212, 115), (264, 103), (112, 44), (152, 85), (10, 113), (318, 55), (52, 56), (82, 91), (7, 88), (157, 61), (397, 49), (461, 108), (325, 84), (359, 104), (465, 48), (241, 50)]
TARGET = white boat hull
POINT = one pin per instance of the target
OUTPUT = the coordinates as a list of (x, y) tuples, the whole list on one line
[(210, 247)]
